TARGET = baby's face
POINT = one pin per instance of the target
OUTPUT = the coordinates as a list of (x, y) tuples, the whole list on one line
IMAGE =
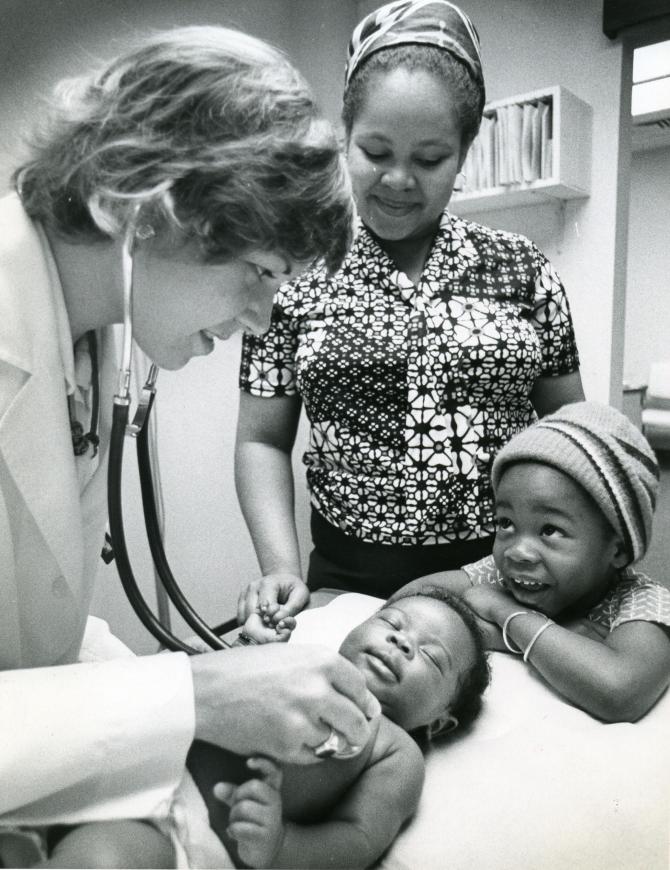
[(413, 655), (553, 545)]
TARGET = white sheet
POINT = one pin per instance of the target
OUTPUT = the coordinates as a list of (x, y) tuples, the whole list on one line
[(536, 784)]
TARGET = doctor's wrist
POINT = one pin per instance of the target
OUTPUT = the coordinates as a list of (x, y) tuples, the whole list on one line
[(206, 686)]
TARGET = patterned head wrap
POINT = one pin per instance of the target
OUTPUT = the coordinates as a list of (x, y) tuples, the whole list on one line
[(407, 22), (601, 450)]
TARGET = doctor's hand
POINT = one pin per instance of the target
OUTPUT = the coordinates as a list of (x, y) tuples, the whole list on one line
[(274, 597), (280, 700)]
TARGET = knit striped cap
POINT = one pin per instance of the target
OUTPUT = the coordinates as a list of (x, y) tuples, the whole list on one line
[(601, 450)]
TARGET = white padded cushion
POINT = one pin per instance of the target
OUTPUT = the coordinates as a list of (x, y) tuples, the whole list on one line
[(536, 784), (658, 389)]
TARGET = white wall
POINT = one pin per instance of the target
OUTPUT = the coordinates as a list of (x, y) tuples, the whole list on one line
[(648, 273)]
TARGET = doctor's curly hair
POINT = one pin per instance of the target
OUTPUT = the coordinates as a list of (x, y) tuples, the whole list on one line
[(212, 132)]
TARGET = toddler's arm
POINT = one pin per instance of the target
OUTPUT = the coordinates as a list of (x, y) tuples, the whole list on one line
[(616, 678), (456, 582)]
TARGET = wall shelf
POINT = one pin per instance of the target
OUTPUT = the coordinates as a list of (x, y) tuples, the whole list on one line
[(570, 160)]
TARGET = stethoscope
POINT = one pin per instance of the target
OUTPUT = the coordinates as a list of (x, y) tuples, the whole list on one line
[(335, 744), (139, 429)]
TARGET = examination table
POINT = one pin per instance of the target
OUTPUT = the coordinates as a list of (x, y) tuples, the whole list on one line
[(536, 784)]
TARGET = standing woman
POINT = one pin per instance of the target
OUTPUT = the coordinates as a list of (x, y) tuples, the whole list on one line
[(202, 149), (436, 341)]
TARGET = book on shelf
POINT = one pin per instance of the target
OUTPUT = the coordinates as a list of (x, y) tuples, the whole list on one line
[(529, 170), (514, 122), (513, 146), (545, 163)]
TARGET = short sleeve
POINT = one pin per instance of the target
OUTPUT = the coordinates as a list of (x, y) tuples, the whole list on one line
[(643, 599), (552, 321), (268, 364), (635, 598), (483, 571)]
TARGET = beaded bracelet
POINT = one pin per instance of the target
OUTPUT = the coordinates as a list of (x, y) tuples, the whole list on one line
[(542, 628), (504, 631)]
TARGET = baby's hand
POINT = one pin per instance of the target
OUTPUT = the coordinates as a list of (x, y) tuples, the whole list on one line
[(268, 632), (274, 596), (256, 813), (284, 629)]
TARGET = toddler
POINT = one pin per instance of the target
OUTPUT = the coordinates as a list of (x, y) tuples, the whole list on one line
[(575, 495)]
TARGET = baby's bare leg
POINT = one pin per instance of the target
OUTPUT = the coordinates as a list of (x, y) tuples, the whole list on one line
[(113, 844)]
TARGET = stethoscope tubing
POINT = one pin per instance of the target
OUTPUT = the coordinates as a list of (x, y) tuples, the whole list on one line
[(139, 429), (121, 558), (190, 616)]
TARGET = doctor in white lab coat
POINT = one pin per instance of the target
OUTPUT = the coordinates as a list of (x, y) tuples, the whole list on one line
[(84, 737)]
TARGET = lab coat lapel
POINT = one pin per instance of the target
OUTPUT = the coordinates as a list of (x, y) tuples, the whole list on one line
[(29, 344), (41, 405)]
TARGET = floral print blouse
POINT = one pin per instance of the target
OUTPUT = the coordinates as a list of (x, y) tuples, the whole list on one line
[(410, 390)]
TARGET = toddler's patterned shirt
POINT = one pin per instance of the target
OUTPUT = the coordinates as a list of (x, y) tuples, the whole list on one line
[(634, 596), (410, 390)]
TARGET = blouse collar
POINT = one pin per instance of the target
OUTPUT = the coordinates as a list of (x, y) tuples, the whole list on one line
[(376, 267)]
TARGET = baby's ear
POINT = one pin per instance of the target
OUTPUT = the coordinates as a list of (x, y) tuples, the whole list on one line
[(442, 725), (621, 557)]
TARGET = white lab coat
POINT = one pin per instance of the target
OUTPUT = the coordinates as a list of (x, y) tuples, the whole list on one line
[(81, 741)]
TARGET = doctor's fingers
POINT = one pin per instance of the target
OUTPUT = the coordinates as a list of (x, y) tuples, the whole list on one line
[(319, 690), (350, 708), (271, 699), (350, 683)]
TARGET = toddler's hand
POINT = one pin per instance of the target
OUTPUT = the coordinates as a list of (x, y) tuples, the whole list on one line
[(487, 600), (255, 813), (491, 635)]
